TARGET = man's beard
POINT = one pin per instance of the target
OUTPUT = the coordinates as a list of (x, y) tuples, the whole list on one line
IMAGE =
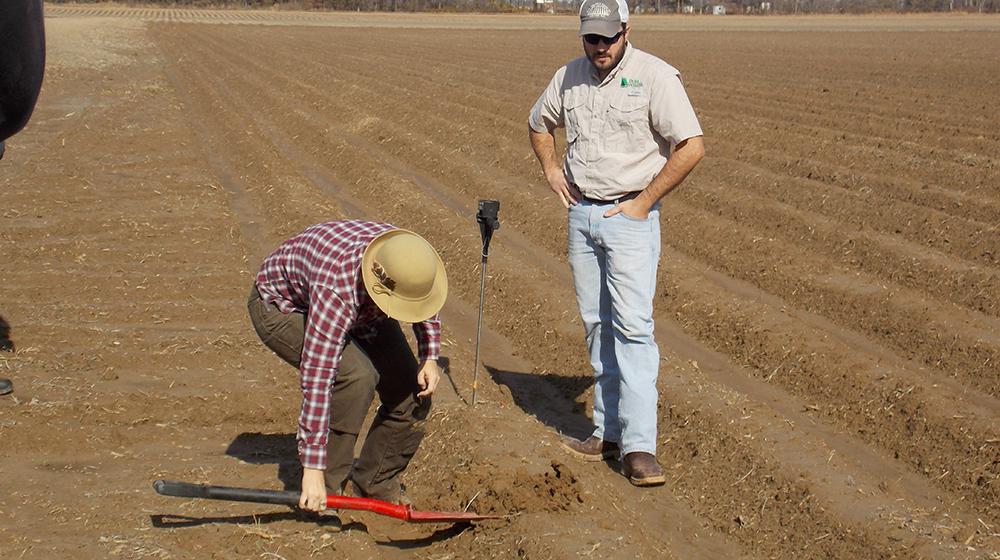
[(610, 60)]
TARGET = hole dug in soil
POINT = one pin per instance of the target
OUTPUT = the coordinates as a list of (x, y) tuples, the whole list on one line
[(492, 489)]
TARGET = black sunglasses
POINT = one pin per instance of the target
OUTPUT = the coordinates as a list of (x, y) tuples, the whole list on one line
[(593, 38)]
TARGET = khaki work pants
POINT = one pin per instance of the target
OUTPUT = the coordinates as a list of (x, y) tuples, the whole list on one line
[(386, 365)]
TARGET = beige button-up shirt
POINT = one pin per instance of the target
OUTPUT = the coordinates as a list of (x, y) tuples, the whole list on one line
[(619, 131)]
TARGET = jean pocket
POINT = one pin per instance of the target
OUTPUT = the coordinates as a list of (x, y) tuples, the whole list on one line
[(634, 219)]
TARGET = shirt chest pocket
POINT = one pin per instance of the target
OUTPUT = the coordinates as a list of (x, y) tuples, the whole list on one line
[(574, 104), (627, 124)]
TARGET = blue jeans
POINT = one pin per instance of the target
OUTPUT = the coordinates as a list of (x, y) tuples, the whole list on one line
[(614, 262)]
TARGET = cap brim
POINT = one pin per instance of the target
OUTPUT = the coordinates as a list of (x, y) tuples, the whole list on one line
[(395, 307), (599, 27)]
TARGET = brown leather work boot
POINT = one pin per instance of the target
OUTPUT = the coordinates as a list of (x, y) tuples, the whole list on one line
[(642, 469), (590, 449)]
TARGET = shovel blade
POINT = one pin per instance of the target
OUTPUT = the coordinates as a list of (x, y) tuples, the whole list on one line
[(448, 517), (404, 512)]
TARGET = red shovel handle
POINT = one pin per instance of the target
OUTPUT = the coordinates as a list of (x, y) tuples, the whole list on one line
[(399, 511)]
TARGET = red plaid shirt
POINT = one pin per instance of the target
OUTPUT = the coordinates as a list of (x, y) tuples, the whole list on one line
[(318, 273)]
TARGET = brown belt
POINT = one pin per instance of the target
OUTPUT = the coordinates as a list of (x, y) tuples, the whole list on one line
[(614, 201)]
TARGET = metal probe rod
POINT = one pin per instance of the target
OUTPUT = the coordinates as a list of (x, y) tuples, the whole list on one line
[(479, 328), (488, 221)]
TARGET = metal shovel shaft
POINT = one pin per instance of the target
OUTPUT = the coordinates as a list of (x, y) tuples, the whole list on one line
[(254, 495)]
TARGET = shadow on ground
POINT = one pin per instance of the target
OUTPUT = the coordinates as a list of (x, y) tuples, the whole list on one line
[(265, 449), (436, 536), (6, 344), (445, 364), (168, 521), (552, 399)]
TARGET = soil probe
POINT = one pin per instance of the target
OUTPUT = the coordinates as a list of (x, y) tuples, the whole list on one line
[(488, 223), (399, 511)]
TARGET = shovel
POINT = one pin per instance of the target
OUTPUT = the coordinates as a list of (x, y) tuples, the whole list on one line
[(399, 511)]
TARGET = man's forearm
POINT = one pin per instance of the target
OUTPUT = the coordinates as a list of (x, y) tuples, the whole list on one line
[(684, 159), (544, 145)]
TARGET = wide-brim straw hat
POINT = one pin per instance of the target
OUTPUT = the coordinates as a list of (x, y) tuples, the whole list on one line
[(404, 276)]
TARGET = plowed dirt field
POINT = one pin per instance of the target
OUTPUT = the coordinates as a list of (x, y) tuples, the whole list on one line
[(828, 309)]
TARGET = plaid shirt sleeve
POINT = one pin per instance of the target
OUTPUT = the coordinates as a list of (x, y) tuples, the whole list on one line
[(428, 335), (329, 320)]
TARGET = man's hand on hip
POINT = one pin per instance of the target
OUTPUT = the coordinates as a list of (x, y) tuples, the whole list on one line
[(632, 208), (567, 192), (427, 377), (544, 146)]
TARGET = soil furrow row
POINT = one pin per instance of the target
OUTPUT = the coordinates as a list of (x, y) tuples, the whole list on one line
[(412, 141), (955, 347), (406, 66), (899, 261), (865, 210), (829, 165), (891, 131), (882, 399), (863, 155)]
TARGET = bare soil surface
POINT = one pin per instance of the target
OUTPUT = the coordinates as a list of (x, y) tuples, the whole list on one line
[(828, 309)]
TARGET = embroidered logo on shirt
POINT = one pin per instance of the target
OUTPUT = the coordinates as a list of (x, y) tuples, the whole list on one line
[(631, 82)]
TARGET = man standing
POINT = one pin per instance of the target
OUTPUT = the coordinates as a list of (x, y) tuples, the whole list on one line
[(327, 301), (631, 138)]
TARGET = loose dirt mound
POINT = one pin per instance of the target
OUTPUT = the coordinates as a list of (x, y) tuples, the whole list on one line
[(828, 310)]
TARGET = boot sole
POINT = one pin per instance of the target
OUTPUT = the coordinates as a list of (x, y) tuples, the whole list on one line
[(659, 480), (587, 457)]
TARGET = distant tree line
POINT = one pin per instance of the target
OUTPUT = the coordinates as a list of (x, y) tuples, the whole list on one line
[(569, 6)]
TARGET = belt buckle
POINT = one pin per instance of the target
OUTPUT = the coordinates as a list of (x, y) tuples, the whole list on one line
[(624, 197)]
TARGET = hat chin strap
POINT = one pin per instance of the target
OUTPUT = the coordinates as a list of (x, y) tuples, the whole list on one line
[(384, 291), (381, 290)]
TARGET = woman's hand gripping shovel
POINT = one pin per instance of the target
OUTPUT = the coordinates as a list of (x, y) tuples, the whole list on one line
[(399, 511)]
